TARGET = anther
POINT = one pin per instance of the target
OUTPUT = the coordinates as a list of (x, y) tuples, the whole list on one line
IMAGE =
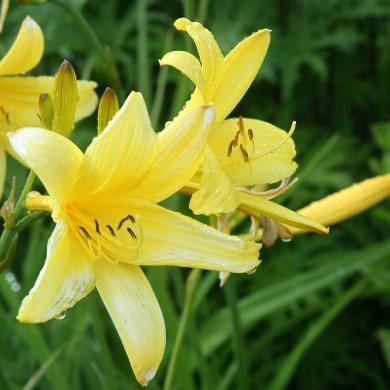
[(230, 148), (132, 234), (241, 125), (85, 231), (250, 134), (109, 227), (123, 220), (244, 153), (97, 227)]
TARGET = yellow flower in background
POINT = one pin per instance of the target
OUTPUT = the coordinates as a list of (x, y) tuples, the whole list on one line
[(241, 152), (19, 95), (348, 202), (108, 223)]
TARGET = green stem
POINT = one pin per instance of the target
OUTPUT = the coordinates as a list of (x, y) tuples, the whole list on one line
[(237, 334), (104, 53), (29, 219), (9, 233), (192, 282), (142, 49)]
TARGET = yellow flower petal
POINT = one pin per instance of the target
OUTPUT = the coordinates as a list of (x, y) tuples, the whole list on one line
[(258, 206), (270, 153), (51, 156), (3, 169), (348, 202), (121, 155), (19, 99), (88, 99), (170, 238), (208, 49), (238, 71), (66, 277), (216, 193), (188, 65), (136, 314), (26, 50), (180, 148)]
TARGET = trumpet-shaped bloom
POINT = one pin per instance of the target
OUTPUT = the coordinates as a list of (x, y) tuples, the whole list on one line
[(240, 151), (108, 223), (348, 202), (19, 95)]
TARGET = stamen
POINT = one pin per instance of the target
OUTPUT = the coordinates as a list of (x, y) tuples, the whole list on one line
[(230, 148), (123, 220), (236, 138), (109, 227), (241, 125), (250, 134), (85, 231), (97, 227), (132, 234), (244, 153)]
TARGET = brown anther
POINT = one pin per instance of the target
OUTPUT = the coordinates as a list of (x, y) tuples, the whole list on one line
[(85, 231), (241, 125), (97, 227), (244, 153), (109, 227), (123, 220), (230, 148), (132, 234), (250, 134)]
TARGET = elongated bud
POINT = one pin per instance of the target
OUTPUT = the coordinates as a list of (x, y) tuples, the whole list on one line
[(65, 99), (46, 110), (108, 107)]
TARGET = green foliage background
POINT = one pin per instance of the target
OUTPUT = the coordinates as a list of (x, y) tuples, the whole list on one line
[(316, 313)]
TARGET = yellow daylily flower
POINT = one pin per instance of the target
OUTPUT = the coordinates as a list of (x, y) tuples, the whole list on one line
[(346, 203), (241, 152), (108, 223), (19, 95)]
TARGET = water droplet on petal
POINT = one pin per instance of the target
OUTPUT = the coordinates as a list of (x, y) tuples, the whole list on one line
[(286, 239), (252, 271), (60, 316)]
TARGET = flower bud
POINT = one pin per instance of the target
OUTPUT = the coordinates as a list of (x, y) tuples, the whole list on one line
[(46, 110), (65, 99), (108, 107)]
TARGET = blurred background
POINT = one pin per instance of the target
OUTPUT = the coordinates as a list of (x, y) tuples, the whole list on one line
[(316, 313)]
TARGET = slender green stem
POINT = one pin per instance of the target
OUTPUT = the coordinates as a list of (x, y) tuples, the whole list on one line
[(9, 234), (29, 219), (142, 49), (110, 68), (158, 99), (237, 334), (20, 204), (192, 282)]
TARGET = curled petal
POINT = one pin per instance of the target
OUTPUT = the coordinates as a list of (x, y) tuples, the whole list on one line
[(26, 51), (208, 49), (188, 65)]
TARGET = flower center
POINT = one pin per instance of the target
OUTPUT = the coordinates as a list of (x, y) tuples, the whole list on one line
[(241, 140), (112, 239)]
